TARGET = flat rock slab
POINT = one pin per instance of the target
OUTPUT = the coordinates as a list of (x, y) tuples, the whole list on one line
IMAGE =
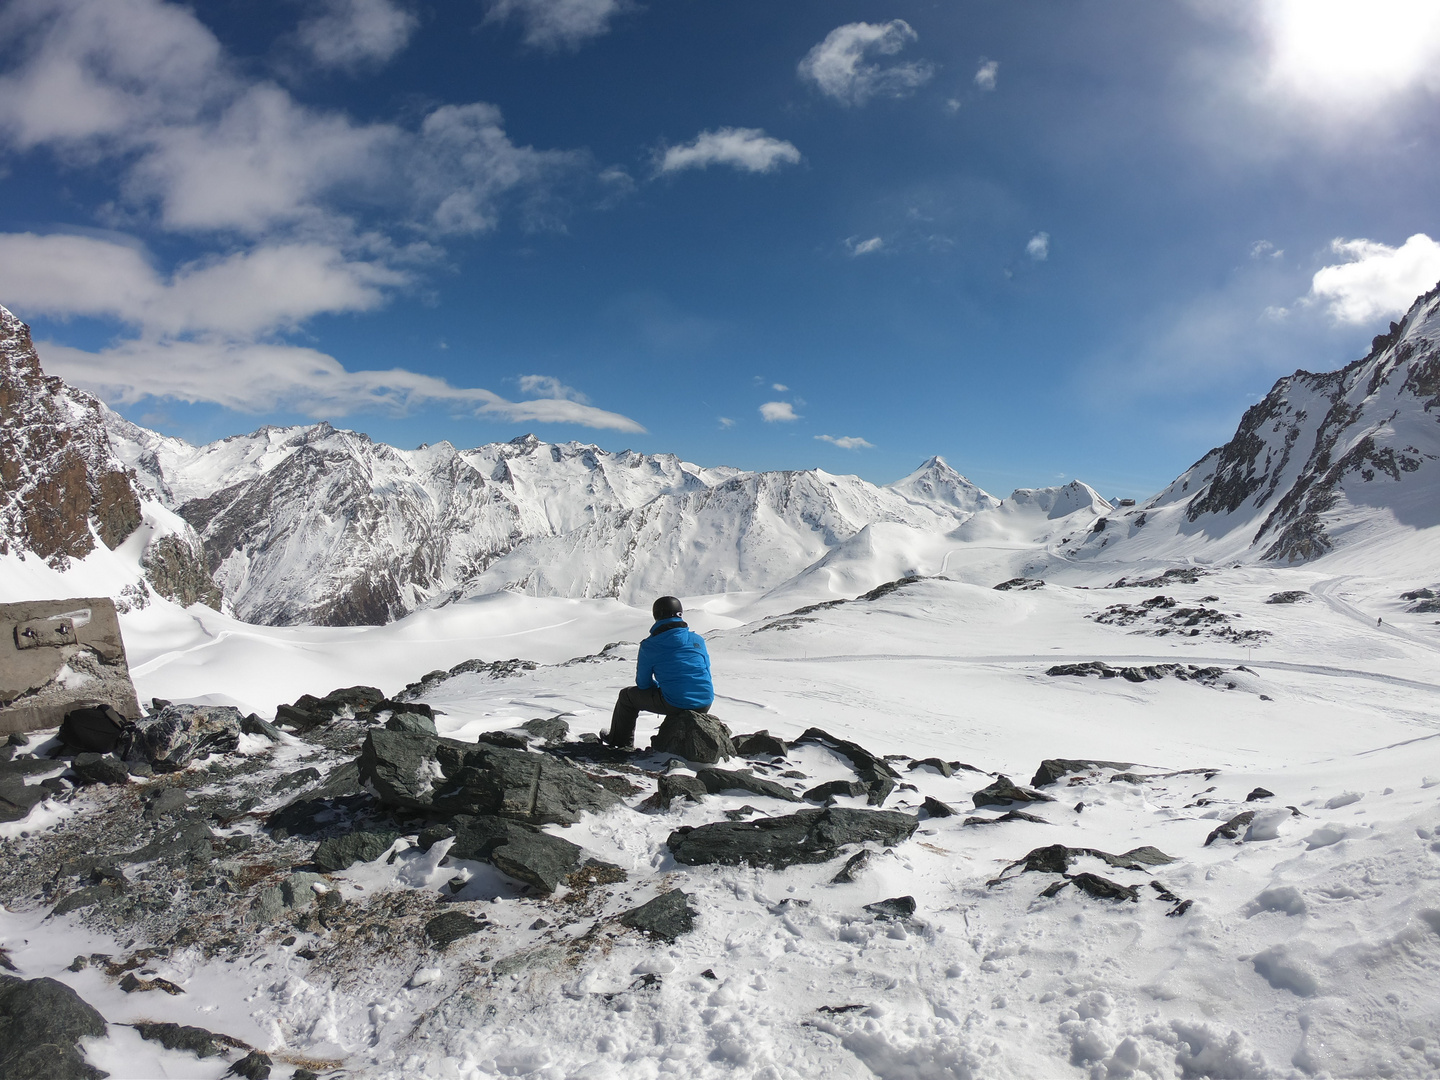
[(18, 798), (521, 850), (897, 908), (835, 788), (1004, 791), (694, 736), (1056, 859), (184, 1037), (808, 836), (717, 781), (341, 852), (100, 769), (451, 927), (666, 917), (41, 1022), (1052, 769)]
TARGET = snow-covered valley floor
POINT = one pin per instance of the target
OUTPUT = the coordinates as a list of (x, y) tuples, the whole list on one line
[(1311, 946)]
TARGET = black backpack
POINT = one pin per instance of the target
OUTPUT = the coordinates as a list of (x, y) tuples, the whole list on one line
[(96, 729)]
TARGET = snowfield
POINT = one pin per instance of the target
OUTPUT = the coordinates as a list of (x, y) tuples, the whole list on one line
[(1310, 945)]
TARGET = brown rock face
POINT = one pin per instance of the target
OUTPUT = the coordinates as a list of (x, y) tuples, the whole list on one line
[(58, 474)]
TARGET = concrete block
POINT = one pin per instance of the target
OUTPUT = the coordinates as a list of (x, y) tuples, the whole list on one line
[(58, 655)]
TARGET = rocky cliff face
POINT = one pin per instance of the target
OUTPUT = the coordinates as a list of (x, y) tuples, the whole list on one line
[(60, 485)]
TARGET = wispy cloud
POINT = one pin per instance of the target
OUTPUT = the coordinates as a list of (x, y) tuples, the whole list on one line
[(547, 386), (775, 411), (847, 442), (559, 24), (987, 74), (725, 422), (351, 34), (1038, 247), (747, 149), (857, 247), (839, 69), (1376, 280), (780, 387)]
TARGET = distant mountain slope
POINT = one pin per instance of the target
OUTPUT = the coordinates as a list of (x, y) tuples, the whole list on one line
[(1324, 460)]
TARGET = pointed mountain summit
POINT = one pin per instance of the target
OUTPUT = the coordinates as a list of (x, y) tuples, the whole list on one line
[(939, 487)]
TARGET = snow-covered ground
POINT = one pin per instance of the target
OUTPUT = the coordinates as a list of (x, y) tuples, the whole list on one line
[(1312, 946)]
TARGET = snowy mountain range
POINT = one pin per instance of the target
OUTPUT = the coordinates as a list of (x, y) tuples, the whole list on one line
[(316, 525)]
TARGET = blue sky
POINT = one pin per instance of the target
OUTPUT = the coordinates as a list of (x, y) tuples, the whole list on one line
[(1046, 240)]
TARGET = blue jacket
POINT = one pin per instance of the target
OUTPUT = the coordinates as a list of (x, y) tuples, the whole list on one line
[(674, 657)]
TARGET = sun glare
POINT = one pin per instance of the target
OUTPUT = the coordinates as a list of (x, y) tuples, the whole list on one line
[(1354, 49)]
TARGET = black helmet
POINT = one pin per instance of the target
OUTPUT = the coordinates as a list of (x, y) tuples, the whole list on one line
[(667, 607)]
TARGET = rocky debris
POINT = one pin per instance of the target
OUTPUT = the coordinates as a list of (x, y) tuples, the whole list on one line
[(133, 984), (877, 775), (897, 908), (99, 769), (807, 836), (823, 793), (854, 868), (18, 798), (194, 1040), (1056, 859), (1259, 793), (535, 787), (182, 734), (719, 781), (694, 736), (1101, 888), (1053, 769), (551, 730), (1231, 829), (1185, 621), (175, 566), (253, 1066), (296, 893), (308, 712), (1003, 792), (186, 841), (944, 768), (1289, 596), (523, 851), (453, 926), (760, 744), (1179, 576), (59, 656), (934, 808), (41, 1024), (673, 786), (1020, 584), (1208, 676), (666, 917), (890, 587), (1009, 815), (341, 852), (1425, 601), (412, 722), (253, 725)]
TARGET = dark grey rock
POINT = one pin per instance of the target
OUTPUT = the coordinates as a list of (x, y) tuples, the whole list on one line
[(1010, 815), (185, 733), (188, 840), (1021, 584), (17, 738), (411, 721), (165, 803), (538, 788), (1052, 769), (854, 867), (666, 917), (551, 729), (18, 798), (717, 781), (432, 835), (760, 744), (1102, 888), (808, 836), (830, 789), (308, 712), (253, 725), (194, 1040), (253, 1066), (41, 1021), (944, 768), (100, 769), (672, 786), (1258, 794), (1289, 596), (86, 897), (876, 773), (520, 850), (507, 739), (1056, 859), (340, 852), (896, 908), (451, 927), (694, 736), (1003, 792), (1231, 829), (401, 767), (935, 808)]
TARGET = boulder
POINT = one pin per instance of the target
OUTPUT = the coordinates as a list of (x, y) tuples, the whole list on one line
[(1231, 829), (760, 744), (41, 1022), (666, 917), (401, 767), (167, 802), (694, 736), (522, 851), (341, 852), (896, 908), (935, 808), (452, 926), (1052, 769), (673, 786), (551, 729), (830, 789), (253, 1066), (1258, 794), (411, 721), (854, 867), (194, 1040), (253, 725), (1003, 792), (874, 772), (187, 840), (1056, 859), (309, 712), (1009, 815), (944, 768), (807, 836), (100, 769), (18, 798), (185, 733), (1101, 888), (718, 781)]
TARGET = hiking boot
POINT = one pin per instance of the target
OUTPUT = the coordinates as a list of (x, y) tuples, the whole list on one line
[(606, 738)]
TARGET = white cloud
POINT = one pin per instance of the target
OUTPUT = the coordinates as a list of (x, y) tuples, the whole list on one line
[(847, 442), (1376, 280), (772, 411), (864, 247), (547, 386), (749, 149), (355, 33), (837, 66), (987, 74), (259, 377), (725, 422), (1038, 247), (553, 24), (1264, 249), (781, 387)]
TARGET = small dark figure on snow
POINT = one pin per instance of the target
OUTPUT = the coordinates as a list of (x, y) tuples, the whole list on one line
[(672, 674)]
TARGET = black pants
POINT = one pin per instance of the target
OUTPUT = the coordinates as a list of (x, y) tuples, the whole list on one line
[(628, 706)]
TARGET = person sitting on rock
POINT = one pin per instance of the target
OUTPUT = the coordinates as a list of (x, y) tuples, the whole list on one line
[(672, 675)]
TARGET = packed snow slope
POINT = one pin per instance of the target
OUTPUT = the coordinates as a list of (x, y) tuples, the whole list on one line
[(1310, 945)]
